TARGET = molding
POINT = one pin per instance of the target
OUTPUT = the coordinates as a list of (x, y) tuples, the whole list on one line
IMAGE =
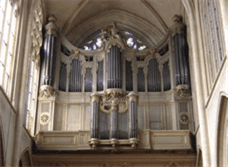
[(147, 139), (222, 68)]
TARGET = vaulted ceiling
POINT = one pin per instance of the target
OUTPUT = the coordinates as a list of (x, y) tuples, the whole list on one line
[(149, 20)]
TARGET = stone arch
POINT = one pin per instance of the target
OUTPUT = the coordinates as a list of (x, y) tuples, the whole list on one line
[(222, 139), (199, 158), (135, 24), (25, 158)]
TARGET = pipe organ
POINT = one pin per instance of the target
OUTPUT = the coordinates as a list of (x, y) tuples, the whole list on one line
[(116, 92)]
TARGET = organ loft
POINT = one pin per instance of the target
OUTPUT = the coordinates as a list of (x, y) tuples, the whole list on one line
[(113, 83)]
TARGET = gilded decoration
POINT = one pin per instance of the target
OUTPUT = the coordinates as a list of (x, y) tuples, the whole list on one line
[(114, 97)]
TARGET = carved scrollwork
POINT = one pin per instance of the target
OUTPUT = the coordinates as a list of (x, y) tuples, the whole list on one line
[(114, 97), (36, 34), (178, 27), (182, 91), (47, 91), (114, 39)]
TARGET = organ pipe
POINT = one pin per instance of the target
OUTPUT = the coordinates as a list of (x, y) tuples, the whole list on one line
[(75, 79), (94, 115), (48, 64), (129, 76), (166, 76), (153, 77), (62, 77), (100, 76), (180, 53), (114, 68)]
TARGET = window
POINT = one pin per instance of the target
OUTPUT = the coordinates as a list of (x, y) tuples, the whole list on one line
[(212, 40), (34, 68), (8, 30), (95, 41)]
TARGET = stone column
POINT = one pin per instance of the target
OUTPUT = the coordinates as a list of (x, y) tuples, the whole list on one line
[(48, 63), (94, 123), (133, 118)]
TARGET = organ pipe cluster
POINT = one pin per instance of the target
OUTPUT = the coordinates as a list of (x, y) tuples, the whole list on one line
[(48, 64), (182, 76)]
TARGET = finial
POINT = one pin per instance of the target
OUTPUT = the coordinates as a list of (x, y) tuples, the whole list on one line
[(177, 18), (52, 18)]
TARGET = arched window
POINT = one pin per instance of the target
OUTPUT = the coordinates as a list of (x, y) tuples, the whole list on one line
[(8, 31), (212, 39), (34, 68), (94, 42)]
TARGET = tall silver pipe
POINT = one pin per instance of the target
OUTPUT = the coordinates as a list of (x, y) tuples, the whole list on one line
[(48, 64), (115, 68), (114, 121)]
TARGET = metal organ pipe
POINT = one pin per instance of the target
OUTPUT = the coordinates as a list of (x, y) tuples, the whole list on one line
[(62, 77), (100, 75), (181, 54), (153, 77), (114, 121), (129, 76), (166, 76), (114, 68), (75, 84), (48, 64)]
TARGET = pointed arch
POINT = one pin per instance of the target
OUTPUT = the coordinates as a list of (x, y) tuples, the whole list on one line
[(222, 138), (25, 158)]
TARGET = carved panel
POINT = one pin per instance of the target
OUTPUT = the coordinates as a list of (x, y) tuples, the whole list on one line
[(58, 117), (74, 121), (155, 117)]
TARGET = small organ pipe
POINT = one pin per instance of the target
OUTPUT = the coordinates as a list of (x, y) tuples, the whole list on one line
[(114, 121), (95, 109)]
